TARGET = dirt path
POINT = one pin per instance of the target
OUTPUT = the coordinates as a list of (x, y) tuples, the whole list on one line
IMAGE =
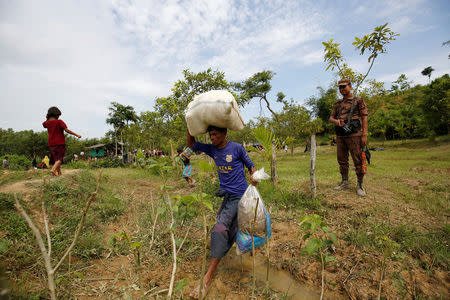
[(30, 185)]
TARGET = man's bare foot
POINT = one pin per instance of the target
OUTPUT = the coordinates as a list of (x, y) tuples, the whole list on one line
[(195, 293), (53, 172)]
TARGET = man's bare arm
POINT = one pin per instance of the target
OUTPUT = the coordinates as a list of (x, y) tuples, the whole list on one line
[(72, 133), (190, 139), (252, 181)]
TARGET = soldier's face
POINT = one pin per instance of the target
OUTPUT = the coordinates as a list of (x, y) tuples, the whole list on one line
[(345, 89)]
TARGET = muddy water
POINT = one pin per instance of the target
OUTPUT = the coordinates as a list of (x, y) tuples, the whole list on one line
[(280, 281)]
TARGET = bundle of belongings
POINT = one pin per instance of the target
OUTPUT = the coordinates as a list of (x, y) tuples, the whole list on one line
[(217, 108)]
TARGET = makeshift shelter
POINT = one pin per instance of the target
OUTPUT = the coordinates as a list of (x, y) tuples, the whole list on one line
[(97, 150)]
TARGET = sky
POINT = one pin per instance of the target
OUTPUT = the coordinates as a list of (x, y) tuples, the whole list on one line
[(80, 55)]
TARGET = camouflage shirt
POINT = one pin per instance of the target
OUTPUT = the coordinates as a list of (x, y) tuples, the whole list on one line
[(342, 109)]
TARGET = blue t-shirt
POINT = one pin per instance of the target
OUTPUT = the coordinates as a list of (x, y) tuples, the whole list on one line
[(230, 162)]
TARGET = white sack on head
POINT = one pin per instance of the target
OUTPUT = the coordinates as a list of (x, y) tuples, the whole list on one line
[(217, 108)]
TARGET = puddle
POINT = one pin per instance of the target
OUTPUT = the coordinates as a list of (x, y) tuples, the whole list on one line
[(280, 281)]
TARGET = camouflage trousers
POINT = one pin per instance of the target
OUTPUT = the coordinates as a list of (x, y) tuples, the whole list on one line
[(352, 144)]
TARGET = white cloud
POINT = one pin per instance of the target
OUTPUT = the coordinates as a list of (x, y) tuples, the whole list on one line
[(80, 55)]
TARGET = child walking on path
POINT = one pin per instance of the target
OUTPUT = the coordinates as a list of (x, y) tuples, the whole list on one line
[(187, 167), (56, 138)]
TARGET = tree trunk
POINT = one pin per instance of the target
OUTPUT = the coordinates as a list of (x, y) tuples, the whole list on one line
[(274, 166), (292, 149), (312, 172), (121, 140), (172, 155)]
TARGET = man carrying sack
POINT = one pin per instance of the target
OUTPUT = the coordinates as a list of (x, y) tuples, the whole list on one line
[(350, 117)]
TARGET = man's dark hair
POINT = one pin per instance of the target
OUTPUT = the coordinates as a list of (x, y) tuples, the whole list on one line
[(53, 112), (211, 128), (179, 149)]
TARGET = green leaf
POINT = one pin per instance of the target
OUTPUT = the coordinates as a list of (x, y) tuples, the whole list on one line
[(329, 258), (332, 237), (181, 284), (312, 246), (208, 204), (160, 210), (306, 236), (135, 245)]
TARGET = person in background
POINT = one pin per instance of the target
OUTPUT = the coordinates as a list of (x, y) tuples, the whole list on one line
[(56, 138), (353, 139), (230, 159), (187, 167), (5, 163), (34, 163)]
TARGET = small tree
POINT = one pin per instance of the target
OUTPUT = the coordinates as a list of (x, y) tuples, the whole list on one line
[(47, 251), (267, 138), (374, 43), (427, 72), (320, 239)]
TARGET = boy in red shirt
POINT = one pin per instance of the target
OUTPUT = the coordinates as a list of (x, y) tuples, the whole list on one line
[(56, 138)]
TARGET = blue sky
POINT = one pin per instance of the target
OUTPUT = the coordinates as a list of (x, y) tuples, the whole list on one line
[(81, 55)]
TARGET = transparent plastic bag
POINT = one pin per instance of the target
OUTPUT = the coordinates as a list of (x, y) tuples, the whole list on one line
[(244, 240), (247, 206)]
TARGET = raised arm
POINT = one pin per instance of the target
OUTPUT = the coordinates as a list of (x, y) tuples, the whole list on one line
[(72, 133), (182, 154), (190, 139)]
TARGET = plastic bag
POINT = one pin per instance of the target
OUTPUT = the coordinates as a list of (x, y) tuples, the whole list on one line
[(217, 108), (244, 240), (247, 206)]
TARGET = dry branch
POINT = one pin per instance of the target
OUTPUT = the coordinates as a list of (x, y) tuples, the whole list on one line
[(47, 252)]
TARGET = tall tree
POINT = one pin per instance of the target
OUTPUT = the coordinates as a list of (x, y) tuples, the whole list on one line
[(257, 86), (119, 115), (401, 84), (427, 72), (436, 105)]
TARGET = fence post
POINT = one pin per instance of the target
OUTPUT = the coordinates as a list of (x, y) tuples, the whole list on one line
[(312, 170), (274, 165)]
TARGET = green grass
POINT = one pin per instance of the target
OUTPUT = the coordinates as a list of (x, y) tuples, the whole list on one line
[(412, 173), (14, 176), (65, 200)]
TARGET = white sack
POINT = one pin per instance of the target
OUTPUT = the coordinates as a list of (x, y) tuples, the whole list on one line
[(217, 108), (247, 206)]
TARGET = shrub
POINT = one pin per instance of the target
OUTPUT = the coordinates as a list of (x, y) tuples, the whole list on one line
[(18, 162), (107, 162)]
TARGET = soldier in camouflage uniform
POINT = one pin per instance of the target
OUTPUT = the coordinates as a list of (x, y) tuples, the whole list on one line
[(354, 142)]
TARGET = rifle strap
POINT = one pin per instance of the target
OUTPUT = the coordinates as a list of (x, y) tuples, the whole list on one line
[(351, 110)]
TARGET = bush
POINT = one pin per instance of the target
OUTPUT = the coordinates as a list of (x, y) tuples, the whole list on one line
[(107, 162), (286, 199), (18, 162)]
